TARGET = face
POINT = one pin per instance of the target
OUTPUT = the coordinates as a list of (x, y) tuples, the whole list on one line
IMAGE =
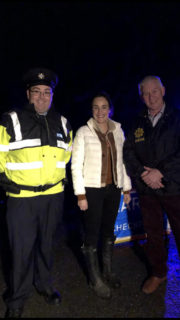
[(100, 110), (152, 95), (41, 96)]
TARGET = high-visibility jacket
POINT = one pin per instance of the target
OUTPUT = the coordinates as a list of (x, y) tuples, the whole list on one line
[(35, 149)]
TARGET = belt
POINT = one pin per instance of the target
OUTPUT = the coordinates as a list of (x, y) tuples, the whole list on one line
[(39, 188)]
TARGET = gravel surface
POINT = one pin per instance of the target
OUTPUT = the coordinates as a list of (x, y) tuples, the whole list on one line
[(79, 301)]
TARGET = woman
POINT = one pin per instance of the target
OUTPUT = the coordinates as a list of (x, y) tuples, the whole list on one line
[(99, 175)]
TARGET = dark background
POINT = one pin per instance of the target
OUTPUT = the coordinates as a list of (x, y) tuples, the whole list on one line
[(91, 45)]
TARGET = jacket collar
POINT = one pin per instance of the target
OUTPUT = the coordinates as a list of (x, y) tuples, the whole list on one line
[(30, 108), (167, 111), (94, 126)]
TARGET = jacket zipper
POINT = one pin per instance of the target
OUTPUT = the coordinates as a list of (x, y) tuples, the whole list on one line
[(47, 126)]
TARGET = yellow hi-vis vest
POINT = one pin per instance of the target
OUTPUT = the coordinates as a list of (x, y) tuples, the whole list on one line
[(27, 161)]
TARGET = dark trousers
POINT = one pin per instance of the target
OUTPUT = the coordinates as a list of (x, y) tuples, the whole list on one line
[(31, 224), (99, 219), (152, 208)]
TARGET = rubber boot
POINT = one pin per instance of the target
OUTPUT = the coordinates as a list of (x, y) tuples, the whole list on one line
[(95, 280), (107, 253)]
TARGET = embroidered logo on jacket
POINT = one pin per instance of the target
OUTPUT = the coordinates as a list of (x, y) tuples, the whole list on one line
[(139, 135), (59, 135)]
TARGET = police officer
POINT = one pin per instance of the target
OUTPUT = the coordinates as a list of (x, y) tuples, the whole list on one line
[(34, 150)]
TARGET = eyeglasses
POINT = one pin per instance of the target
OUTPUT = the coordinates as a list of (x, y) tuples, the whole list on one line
[(38, 93)]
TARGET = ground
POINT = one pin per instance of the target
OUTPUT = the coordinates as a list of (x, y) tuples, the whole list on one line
[(79, 301)]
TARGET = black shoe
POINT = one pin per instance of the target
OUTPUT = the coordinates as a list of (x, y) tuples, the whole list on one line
[(53, 298), (14, 313)]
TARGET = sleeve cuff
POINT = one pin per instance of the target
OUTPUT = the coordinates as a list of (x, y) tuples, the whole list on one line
[(126, 192), (81, 197)]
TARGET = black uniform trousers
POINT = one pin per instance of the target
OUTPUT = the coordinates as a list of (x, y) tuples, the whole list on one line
[(32, 223), (152, 208)]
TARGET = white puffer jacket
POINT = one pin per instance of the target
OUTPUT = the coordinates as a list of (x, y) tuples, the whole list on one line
[(86, 160)]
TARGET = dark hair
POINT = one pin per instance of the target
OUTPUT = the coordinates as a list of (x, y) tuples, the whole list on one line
[(107, 97)]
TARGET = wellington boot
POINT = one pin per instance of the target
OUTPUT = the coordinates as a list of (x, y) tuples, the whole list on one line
[(107, 253), (95, 280)]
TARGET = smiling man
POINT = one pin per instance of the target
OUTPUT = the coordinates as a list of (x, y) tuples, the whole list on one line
[(152, 92), (41, 96), (35, 146), (152, 158)]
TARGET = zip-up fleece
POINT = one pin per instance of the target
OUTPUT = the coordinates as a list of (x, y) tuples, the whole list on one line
[(35, 149), (86, 163)]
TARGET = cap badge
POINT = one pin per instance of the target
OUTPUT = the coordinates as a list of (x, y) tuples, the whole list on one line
[(41, 76)]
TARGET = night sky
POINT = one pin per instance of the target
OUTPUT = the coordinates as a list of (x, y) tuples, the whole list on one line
[(91, 45)]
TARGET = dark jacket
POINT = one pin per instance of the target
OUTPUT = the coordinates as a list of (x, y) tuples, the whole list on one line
[(37, 126), (156, 147)]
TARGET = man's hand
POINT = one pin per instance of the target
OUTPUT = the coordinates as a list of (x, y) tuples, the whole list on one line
[(83, 204), (152, 177)]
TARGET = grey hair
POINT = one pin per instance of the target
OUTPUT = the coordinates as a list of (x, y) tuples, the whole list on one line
[(146, 79)]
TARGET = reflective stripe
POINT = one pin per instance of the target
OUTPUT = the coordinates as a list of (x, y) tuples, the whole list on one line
[(69, 148), (24, 143), (31, 165), (62, 144), (64, 122), (24, 165), (4, 148), (16, 125), (60, 164)]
